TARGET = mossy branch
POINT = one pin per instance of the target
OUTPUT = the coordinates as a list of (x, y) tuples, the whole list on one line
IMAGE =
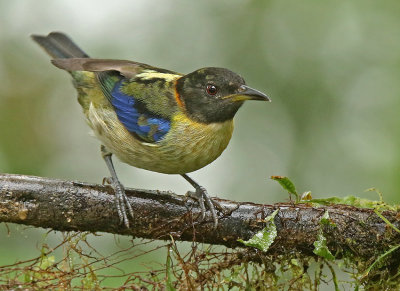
[(74, 206)]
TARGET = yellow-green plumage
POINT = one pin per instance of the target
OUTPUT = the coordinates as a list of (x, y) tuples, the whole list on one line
[(153, 118), (187, 147)]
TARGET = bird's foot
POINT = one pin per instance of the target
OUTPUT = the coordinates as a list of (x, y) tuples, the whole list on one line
[(202, 196), (121, 200)]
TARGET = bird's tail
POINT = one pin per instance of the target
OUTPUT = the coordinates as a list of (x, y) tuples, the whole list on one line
[(59, 46)]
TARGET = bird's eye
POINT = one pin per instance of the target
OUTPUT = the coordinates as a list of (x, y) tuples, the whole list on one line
[(212, 89)]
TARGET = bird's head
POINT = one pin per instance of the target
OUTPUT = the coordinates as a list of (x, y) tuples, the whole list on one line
[(214, 94)]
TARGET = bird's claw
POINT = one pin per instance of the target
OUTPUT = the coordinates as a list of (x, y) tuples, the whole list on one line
[(121, 200), (202, 196), (106, 180)]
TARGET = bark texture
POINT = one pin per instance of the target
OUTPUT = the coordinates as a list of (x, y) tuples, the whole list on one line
[(75, 206)]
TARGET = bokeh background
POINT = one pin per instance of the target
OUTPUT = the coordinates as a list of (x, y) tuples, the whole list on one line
[(332, 70)]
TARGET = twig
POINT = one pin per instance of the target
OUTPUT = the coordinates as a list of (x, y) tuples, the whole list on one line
[(74, 206)]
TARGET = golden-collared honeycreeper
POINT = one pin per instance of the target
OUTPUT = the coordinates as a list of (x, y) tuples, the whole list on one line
[(152, 118)]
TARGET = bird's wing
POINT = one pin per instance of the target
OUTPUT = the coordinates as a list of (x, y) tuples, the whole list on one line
[(132, 89), (128, 69), (137, 119)]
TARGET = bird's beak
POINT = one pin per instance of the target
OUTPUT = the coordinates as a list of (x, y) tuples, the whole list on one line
[(247, 93)]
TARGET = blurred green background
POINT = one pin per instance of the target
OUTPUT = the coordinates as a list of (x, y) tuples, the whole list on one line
[(332, 70)]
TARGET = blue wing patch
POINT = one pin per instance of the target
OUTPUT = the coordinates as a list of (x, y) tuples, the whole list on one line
[(146, 125)]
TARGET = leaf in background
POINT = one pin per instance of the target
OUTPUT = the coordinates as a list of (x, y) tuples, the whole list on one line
[(263, 239), (287, 185), (321, 249), (306, 196)]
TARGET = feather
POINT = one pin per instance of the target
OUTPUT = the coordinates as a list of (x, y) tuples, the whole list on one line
[(128, 69), (60, 46), (136, 119)]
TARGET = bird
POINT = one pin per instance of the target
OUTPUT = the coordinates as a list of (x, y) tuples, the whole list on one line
[(153, 118)]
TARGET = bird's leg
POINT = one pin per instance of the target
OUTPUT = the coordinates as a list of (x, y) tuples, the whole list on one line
[(201, 195), (121, 199)]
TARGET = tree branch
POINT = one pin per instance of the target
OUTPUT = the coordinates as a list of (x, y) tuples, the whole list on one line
[(75, 206)]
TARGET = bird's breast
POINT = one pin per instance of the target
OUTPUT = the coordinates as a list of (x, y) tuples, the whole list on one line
[(188, 145)]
